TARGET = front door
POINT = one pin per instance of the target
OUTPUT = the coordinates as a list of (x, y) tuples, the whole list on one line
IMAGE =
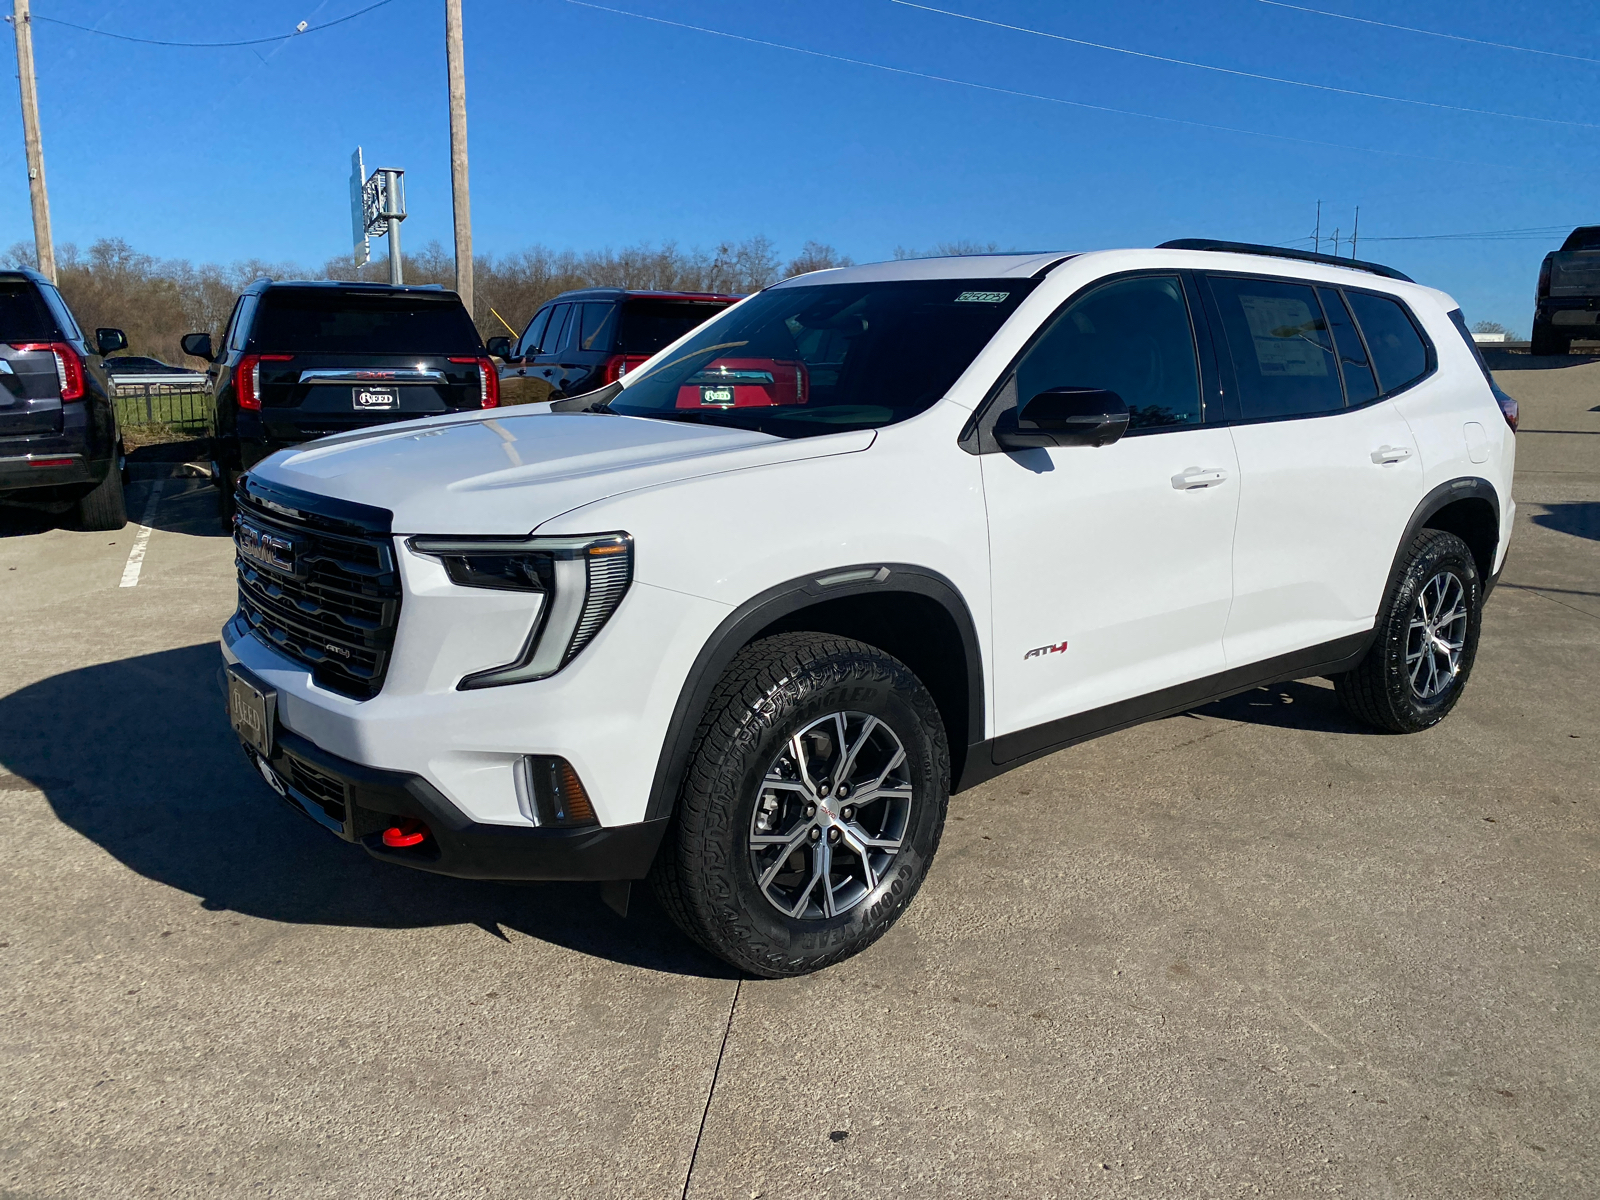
[(1111, 566), (1329, 471)]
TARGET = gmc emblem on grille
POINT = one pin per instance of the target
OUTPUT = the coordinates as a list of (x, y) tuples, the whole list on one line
[(269, 549)]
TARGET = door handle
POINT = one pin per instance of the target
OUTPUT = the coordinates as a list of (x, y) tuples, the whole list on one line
[(1384, 455), (1198, 477)]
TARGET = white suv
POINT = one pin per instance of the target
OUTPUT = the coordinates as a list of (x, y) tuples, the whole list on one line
[(742, 622)]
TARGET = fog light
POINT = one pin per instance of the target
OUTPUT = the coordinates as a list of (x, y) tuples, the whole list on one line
[(549, 792)]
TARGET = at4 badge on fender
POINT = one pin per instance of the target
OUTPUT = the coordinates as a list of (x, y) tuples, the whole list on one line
[(1061, 649)]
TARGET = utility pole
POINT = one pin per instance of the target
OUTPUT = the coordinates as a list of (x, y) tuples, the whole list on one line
[(462, 200), (1316, 235), (1355, 231), (44, 246)]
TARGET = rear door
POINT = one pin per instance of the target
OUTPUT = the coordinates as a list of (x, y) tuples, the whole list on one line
[(1329, 470), (30, 381), (332, 359)]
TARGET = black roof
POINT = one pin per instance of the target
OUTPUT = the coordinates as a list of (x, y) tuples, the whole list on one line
[(356, 285), (1354, 264), (612, 293)]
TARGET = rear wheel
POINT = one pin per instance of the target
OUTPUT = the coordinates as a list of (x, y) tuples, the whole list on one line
[(105, 508), (1547, 341), (813, 804), (1427, 639)]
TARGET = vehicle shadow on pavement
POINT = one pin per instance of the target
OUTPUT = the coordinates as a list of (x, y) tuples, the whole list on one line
[(1580, 518), (16, 521), (1294, 705), (148, 769)]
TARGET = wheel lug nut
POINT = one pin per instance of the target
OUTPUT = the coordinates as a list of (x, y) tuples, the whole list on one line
[(822, 790), (842, 791), (816, 834), (833, 835), (811, 810), (848, 812)]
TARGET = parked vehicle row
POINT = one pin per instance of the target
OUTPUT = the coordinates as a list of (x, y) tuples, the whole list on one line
[(740, 620)]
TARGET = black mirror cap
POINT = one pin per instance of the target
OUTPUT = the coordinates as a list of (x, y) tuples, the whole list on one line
[(198, 345), (109, 341), (1064, 416), (499, 347)]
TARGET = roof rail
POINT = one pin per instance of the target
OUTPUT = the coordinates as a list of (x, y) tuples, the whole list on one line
[(1331, 260)]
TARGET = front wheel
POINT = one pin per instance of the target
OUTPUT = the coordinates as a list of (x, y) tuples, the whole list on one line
[(1427, 639), (812, 807)]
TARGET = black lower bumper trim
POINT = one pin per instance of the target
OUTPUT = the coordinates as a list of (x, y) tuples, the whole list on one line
[(374, 799)]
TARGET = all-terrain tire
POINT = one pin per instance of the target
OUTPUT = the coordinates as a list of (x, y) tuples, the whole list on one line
[(1381, 691), (705, 875), (104, 509), (1547, 341)]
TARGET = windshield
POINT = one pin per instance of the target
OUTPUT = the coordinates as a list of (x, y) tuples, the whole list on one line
[(339, 321), (803, 361)]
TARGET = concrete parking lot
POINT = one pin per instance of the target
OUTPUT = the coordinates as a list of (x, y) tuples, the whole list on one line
[(1251, 950)]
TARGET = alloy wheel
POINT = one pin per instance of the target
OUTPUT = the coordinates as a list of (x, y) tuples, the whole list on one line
[(1436, 636), (831, 815)]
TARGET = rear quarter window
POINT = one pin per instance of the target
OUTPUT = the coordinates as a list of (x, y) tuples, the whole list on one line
[(330, 321), (23, 315), (1398, 351)]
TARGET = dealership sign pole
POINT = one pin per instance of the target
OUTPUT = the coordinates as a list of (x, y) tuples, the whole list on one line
[(377, 206)]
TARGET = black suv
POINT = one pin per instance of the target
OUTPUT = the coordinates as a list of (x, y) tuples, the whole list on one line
[(300, 361), (59, 444), (588, 338)]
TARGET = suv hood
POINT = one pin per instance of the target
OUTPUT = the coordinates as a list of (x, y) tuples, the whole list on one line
[(504, 473)]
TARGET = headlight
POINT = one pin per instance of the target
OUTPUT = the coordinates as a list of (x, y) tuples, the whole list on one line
[(580, 582)]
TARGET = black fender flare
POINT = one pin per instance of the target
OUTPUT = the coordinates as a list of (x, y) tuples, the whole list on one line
[(1464, 487), (777, 602)]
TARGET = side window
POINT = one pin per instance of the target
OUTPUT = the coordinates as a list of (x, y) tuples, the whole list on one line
[(1360, 385), (241, 322), (1283, 359), (62, 314), (599, 323), (555, 332), (1132, 337), (1398, 350), (532, 334)]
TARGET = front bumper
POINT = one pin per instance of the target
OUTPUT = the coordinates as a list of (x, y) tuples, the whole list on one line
[(357, 803)]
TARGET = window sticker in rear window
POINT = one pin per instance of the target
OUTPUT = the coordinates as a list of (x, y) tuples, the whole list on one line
[(1281, 327), (983, 297)]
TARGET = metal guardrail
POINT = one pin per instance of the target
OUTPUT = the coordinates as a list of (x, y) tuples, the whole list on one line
[(156, 407)]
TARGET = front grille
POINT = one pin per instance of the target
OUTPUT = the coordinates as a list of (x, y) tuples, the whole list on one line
[(337, 608), (323, 790)]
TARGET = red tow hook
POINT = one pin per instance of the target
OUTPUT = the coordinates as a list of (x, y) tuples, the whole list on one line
[(410, 832)]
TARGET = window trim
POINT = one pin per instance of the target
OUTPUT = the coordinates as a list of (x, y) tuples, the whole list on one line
[(977, 435), (1230, 381), (525, 347)]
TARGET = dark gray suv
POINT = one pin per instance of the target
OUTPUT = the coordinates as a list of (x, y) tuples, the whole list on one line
[(60, 449)]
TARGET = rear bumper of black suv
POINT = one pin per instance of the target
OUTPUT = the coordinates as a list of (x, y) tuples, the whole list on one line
[(357, 803)]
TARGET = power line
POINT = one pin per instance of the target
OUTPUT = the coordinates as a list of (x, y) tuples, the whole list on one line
[(1002, 91), (1454, 37), (282, 37), (1183, 62)]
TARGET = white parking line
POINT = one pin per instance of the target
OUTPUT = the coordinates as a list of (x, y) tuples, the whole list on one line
[(130, 573)]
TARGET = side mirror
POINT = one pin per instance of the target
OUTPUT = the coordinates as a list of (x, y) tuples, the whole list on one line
[(109, 341), (198, 345), (500, 347), (1064, 416)]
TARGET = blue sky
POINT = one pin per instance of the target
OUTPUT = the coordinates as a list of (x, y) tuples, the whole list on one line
[(590, 128)]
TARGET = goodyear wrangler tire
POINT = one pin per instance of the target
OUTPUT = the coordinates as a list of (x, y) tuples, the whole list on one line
[(813, 804), (1427, 639)]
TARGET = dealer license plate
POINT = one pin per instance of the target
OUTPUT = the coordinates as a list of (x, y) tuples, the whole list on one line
[(251, 707), (721, 394), (375, 399)]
